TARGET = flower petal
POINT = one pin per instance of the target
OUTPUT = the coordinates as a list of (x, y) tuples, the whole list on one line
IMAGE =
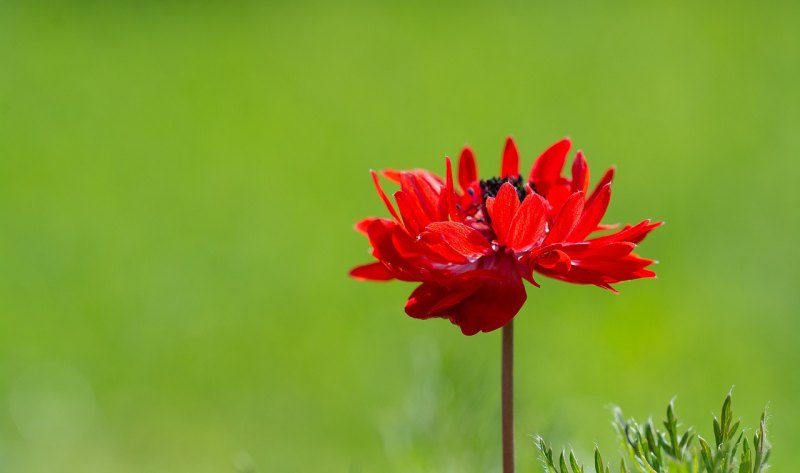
[(593, 212), (383, 235), (423, 299), (510, 165), (567, 219), (450, 191), (529, 223), (607, 178), (493, 305), (600, 264), (502, 211), (465, 241), (547, 167), (383, 196), (362, 225), (371, 272), (633, 234), (422, 190), (414, 217), (589, 249), (436, 300), (391, 174), (557, 194), (613, 270), (556, 261), (378, 232), (580, 173), (467, 169)]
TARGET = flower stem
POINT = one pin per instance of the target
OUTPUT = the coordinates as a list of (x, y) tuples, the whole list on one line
[(508, 397)]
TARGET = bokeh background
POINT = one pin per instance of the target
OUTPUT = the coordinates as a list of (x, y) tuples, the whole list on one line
[(179, 180)]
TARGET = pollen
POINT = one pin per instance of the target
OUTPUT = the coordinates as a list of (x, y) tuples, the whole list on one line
[(490, 187)]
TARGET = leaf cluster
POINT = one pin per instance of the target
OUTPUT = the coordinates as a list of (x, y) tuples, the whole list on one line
[(648, 448)]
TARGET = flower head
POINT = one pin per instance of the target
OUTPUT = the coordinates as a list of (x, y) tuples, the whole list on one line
[(472, 245)]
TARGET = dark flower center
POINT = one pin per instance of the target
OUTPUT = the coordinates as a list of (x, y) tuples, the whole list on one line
[(490, 187)]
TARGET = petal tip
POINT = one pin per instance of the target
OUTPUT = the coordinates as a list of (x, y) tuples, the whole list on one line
[(510, 163)]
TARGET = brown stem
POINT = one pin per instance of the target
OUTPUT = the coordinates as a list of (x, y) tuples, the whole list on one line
[(508, 397)]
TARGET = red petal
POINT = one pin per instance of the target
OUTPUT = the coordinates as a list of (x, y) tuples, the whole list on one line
[(557, 194), (492, 306), (416, 258), (547, 168), (455, 295), (528, 225), (434, 300), (566, 220), (606, 226), (611, 250), (502, 211), (449, 189), (378, 231), (385, 199), (383, 235), (391, 174), (464, 240), (467, 169), (423, 191), (556, 261), (362, 225), (633, 234), (414, 217), (601, 265), (592, 214), (372, 272), (620, 269), (607, 178), (510, 166), (529, 277), (422, 300), (578, 275), (490, 206), (580, 174), (641, 233)]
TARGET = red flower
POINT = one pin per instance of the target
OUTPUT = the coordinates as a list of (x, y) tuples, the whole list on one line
[(470, 248)]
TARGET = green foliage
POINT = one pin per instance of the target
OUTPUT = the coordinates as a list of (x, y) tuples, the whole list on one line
[(647, 449)]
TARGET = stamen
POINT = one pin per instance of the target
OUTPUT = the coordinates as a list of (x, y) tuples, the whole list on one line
[(490, 187)]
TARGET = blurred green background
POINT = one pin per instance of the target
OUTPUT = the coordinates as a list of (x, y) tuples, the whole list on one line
[(178, 184)]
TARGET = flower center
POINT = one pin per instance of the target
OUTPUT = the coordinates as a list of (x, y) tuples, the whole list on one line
[(490, 187)]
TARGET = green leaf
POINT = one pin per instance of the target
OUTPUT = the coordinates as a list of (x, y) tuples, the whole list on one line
[(562, 463), (672, 429), (598, 461), (705, 452), (574, 463), (746, 461), (727, 414)]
